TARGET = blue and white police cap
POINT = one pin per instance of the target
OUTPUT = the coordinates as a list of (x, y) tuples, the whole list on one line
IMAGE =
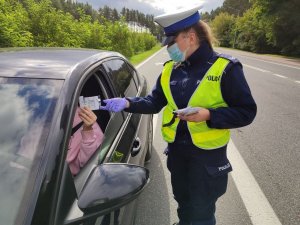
[(177, 21)]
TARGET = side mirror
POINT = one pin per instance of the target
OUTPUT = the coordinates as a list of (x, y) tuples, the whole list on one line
[(111, 186)]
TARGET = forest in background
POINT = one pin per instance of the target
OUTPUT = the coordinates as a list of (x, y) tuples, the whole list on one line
[(59, 23), (261, 26)]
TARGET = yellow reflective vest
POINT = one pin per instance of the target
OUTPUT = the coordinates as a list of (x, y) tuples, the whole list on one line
[(207, 95)]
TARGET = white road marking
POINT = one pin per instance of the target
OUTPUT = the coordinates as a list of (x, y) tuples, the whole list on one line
[(154, 122), (280, 64), (297, 81), (256, 203), (278, 75), (142, 63), (266, 71), (159, 63), (255, 68)]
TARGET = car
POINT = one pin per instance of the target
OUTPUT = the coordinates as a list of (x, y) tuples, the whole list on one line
[(39, 94)]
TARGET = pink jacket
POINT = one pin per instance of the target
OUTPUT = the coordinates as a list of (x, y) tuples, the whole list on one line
[(82, 145)]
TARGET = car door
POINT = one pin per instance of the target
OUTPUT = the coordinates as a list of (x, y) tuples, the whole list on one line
[(121, 131), (133, 144), (66, 209), (122, 142), (110, 151)]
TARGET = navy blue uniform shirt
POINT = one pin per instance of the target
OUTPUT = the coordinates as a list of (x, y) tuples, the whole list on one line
[(184, 80)]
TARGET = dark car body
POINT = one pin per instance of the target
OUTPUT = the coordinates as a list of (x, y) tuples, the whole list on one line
[(39, 91)]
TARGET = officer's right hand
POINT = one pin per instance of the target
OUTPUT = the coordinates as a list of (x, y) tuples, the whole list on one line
[(115, 104), (202, 115)]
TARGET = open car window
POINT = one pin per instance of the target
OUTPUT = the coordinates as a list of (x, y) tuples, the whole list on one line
[(26, 113), (93, 87)]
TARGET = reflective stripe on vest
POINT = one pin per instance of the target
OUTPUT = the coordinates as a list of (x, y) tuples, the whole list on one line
[(207, 95)]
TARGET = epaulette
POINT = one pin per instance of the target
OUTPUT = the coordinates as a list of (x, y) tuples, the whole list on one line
[(229, 57)]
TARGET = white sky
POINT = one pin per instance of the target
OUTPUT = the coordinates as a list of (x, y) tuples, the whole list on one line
[(173, 5)]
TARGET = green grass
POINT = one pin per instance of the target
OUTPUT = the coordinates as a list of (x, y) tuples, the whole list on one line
[(138, 58)]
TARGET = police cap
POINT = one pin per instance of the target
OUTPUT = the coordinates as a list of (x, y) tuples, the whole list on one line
[(173, 23)]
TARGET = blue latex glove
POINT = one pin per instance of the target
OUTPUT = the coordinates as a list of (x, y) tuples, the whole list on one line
[(114, 104)]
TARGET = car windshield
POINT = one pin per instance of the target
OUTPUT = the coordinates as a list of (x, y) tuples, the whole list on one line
[(26, 110)]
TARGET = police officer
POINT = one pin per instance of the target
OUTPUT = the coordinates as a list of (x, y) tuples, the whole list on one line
[(210, 86)]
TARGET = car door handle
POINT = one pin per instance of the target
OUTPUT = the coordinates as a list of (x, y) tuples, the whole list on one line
[(136, 147)]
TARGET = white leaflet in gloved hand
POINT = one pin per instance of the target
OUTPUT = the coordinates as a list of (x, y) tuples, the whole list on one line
[(187, 111)]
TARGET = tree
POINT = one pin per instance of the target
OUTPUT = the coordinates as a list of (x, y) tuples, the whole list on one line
[(41, 23), (222, 27), (236, 7), (14, 23), (119, 35), (205, 17), (286, 25), (255, 31), (215, 12), (115, 15)]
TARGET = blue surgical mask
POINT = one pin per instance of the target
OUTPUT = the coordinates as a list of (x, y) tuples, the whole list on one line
[(175, 53)]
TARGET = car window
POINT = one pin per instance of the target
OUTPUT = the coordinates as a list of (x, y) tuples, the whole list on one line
[(134, 75), (83, 145), (94, 86), (26, 112), (121, 77)]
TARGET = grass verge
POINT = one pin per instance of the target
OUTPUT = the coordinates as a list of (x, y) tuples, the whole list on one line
[(138, 58)]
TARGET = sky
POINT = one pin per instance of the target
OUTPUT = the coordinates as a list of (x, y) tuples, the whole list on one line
[(155, 7)]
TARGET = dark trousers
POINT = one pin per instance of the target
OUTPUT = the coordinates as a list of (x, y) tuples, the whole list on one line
[(199, 178)]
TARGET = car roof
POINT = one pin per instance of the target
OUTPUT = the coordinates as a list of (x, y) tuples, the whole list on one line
[(51, 63)]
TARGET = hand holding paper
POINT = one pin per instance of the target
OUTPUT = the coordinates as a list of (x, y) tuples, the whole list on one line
[(193, 114), (187, 111)]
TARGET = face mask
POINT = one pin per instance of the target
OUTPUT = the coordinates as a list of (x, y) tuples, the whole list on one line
[(175, 53)]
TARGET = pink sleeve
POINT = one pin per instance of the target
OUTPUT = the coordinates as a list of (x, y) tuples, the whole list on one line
[(82, 146), (91, 140)]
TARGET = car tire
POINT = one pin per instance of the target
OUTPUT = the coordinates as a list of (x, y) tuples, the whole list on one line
[(150, 143)]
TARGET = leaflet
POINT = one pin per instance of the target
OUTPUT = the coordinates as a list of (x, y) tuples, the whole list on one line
[(187, 111), (93, 102)]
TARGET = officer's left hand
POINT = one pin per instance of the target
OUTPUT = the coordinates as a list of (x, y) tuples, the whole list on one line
[(201, 115), (115, 104)]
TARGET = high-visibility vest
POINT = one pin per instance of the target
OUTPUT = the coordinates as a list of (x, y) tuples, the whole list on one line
[(207, 95)]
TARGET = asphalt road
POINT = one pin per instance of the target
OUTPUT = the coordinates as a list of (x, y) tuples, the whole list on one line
[(264, 188)]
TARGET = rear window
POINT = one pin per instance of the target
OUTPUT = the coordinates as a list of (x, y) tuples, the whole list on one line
[(26, 110)]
